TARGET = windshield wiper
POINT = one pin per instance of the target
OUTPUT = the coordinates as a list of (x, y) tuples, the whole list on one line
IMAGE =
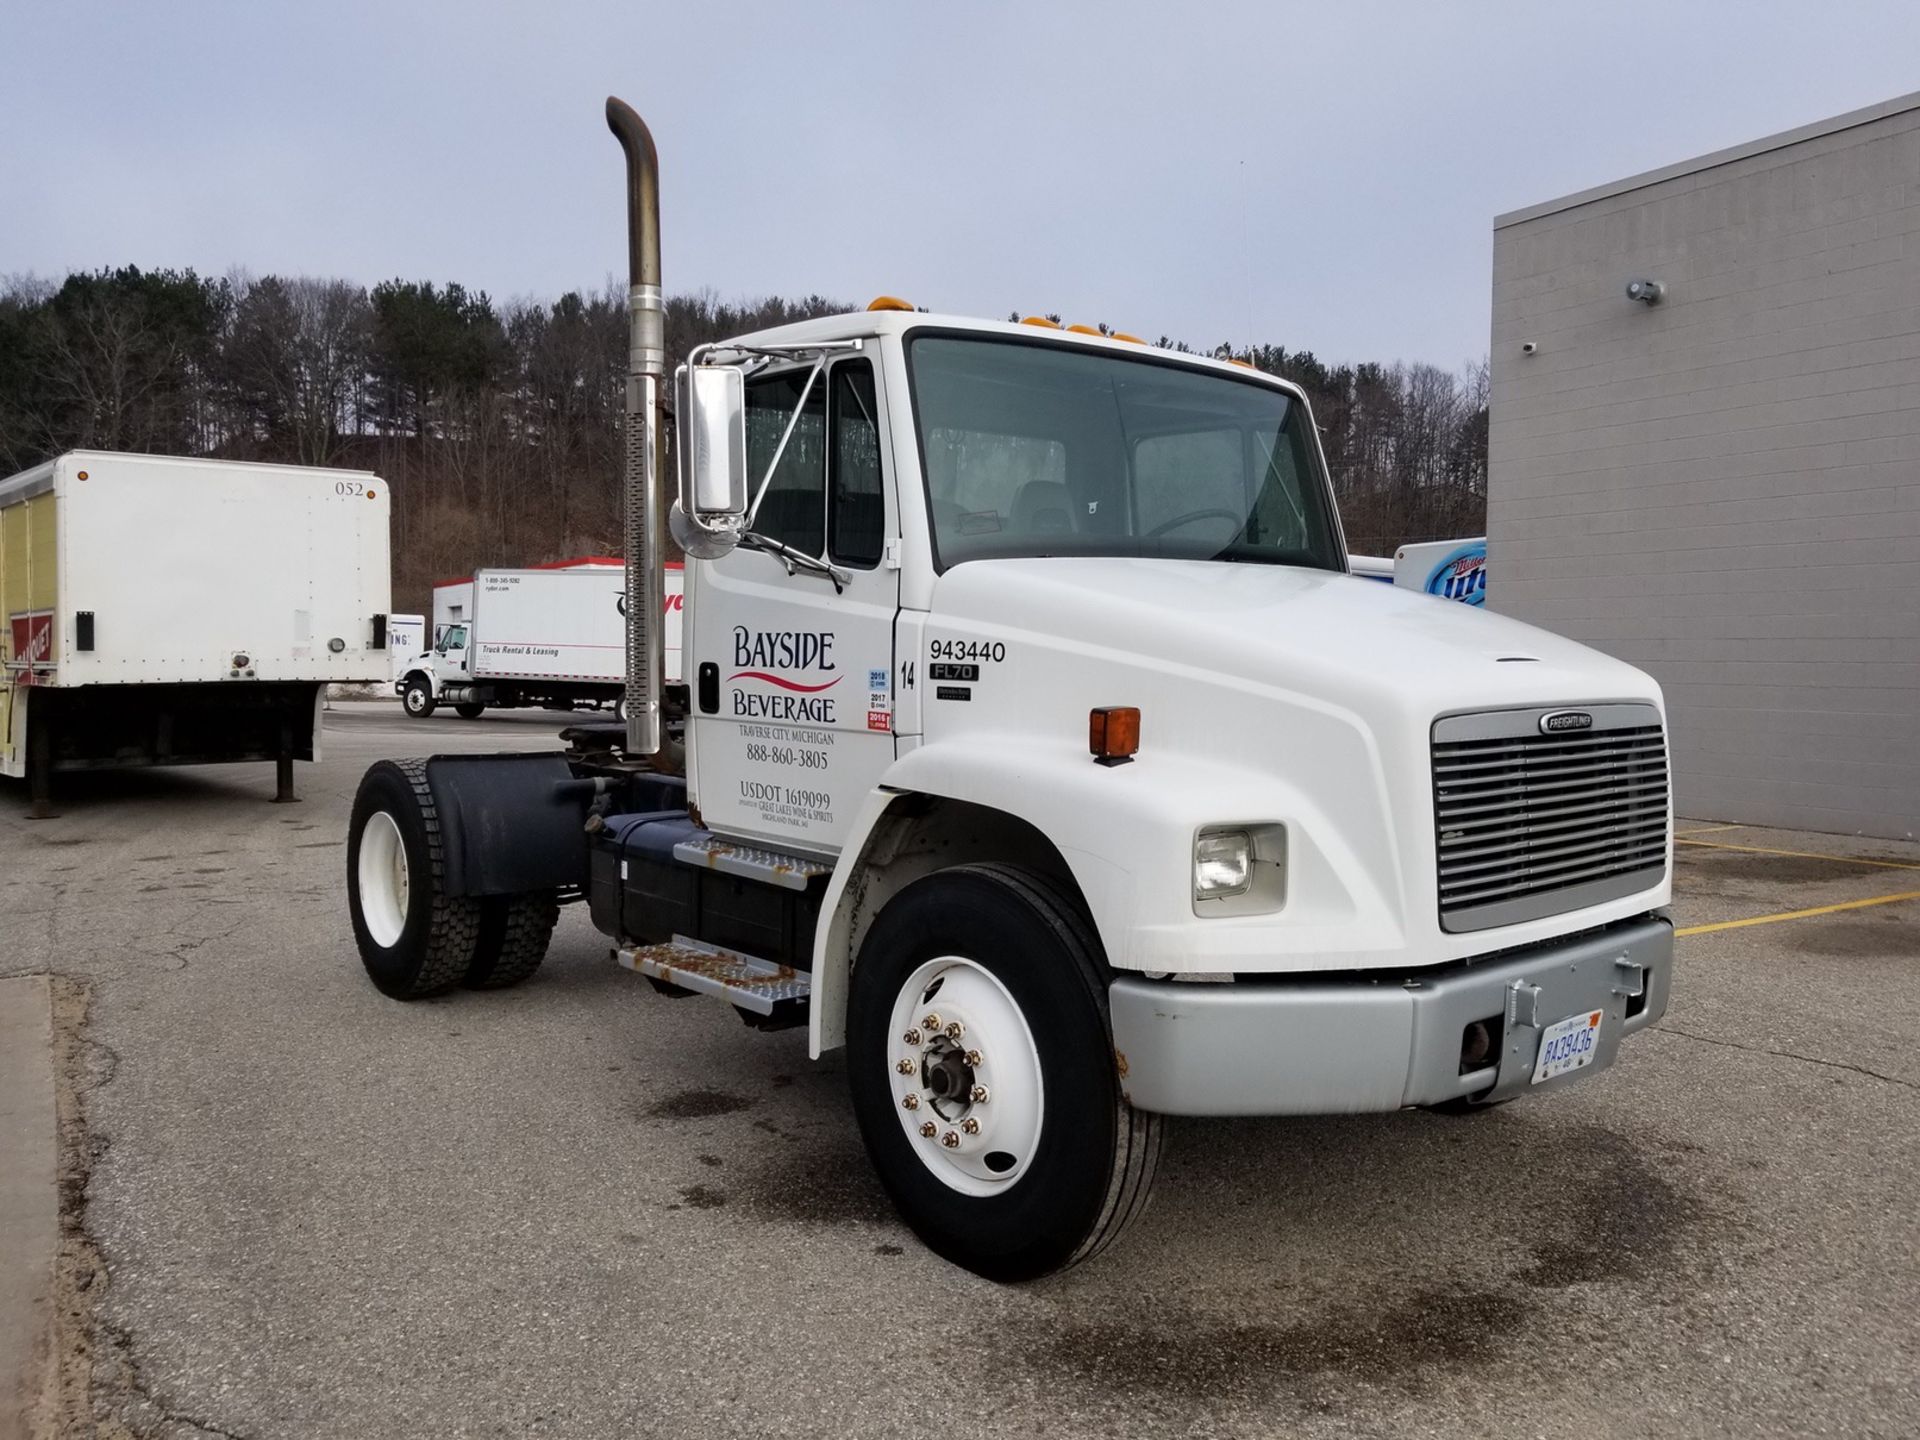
[(796, 559)]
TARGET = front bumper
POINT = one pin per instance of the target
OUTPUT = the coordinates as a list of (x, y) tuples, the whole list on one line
[(1315, 1045)]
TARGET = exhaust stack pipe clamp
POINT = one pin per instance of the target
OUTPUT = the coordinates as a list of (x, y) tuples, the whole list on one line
[(644, 449)]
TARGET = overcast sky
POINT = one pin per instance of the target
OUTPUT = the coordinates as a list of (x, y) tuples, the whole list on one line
[(1320, 176)]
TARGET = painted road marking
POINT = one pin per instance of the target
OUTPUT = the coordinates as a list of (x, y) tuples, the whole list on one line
[(1798, 914), (1707, 830), (1799, 854)]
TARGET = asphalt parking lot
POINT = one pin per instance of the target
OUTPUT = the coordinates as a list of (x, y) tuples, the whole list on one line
[(577, 1209)]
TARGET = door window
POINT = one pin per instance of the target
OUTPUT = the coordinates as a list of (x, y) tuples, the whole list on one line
[(857, 511), (794, 509)]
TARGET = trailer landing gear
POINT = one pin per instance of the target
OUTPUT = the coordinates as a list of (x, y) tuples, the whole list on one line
[(283, 769)]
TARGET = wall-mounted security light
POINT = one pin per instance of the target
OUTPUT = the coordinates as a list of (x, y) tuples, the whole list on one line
[(1647, 292)]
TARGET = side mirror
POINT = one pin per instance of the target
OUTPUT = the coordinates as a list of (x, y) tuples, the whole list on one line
[(713, 459)]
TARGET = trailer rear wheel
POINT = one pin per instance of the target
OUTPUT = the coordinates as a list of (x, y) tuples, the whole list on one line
[(983, 1074), (414, 938), (469, 712), (417, 698), (514, 932)]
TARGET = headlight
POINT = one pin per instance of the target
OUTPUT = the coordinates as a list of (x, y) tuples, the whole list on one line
[(1222, 864), (1240, 870)]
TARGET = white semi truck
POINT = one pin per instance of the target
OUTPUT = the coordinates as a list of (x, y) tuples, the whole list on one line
[(550, 636), (171, 611), (1041, 754)]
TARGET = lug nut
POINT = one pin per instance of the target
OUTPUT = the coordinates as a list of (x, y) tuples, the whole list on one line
[(955, 1030), (970, 1125), (931, 1022), (975, 1060), (978, 1094), (905, 1067), (912, 1102), (951, 1139), (929, 1130), (912, 1037)]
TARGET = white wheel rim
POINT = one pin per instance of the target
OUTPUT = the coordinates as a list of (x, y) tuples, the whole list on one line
[(983, 1137), (383, 879), (416, 699)]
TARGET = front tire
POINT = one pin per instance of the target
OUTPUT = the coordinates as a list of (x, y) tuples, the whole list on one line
[(415, 939), (417, 699), (1034, 1160), (469, 712)]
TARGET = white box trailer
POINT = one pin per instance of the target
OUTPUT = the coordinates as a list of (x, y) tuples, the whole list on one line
[(167, 611), (549, 636)]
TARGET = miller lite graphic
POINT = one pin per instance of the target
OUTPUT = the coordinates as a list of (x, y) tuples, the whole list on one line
[(32, 643)]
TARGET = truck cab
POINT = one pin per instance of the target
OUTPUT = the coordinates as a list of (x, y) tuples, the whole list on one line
[(1041, 753)]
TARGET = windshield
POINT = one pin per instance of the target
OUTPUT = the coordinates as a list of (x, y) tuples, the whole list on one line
[(1032, 448)]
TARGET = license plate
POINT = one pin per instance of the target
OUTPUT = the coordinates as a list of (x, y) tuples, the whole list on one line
[(1568, 1044)]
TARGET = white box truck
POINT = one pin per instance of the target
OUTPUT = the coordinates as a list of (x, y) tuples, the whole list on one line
[(553, 636), (169, 611), (1042, 755)]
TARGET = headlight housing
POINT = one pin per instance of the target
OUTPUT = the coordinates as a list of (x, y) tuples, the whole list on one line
[(1239, 869)]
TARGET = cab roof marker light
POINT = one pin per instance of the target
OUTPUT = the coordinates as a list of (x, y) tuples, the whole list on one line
[(1122, 335), (889, 302), (1041, 321), (1086, 330)]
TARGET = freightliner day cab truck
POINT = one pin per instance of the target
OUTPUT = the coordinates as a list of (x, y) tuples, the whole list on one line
[(1040, 752)]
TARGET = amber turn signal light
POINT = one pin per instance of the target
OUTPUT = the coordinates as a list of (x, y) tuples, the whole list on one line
[(1113, 733)]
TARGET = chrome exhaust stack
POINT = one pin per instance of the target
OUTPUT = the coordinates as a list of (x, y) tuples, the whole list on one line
[(644, 450)]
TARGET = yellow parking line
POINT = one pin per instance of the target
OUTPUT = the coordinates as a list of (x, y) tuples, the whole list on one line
[(1798, 854), (1798, 914), (1707, 830)]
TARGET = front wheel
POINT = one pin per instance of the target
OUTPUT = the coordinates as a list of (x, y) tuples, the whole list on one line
[(469, 712), (983, 1074), (417, 698)]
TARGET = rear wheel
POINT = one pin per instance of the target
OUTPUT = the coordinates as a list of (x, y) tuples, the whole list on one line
[(514, 932), (417, 698), (414, 938), (983, 1075), (469, 712)]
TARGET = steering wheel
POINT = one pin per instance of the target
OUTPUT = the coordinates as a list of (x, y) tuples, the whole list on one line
[(1192, 515)]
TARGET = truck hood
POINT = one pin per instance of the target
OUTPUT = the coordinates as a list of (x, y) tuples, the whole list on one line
[(1322, 636)]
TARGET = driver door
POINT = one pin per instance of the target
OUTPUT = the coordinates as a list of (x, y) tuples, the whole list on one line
[(791, 677)]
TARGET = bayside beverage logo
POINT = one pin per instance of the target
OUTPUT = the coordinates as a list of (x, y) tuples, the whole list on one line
[(762, 655)]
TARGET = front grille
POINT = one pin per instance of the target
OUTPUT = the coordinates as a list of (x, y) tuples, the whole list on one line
[(1531, 823)]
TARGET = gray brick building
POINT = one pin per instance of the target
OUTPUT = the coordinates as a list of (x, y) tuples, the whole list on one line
[(1723, 487)]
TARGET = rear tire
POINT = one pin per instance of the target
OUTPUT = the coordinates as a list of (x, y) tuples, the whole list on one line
[(469, 712), (1047, 1163), (417, 699), (415, 939), (514, 933)]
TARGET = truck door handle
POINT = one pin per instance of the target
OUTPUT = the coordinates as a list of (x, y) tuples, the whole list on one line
[(709, 688)]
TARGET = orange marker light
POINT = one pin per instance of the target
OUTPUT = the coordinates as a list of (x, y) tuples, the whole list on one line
[(371, 495), (1084, 329), (1122, 335), (1042, 322), (82, 475), (1113, 733), (889, 302)]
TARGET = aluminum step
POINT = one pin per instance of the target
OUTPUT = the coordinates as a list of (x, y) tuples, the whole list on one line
[(757, 985), (769, 867)]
